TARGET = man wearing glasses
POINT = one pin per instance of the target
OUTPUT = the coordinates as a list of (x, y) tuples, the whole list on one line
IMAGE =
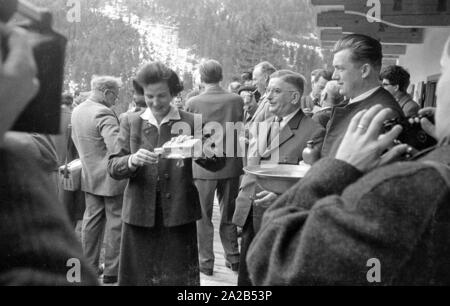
[(94, 131), (280, 140), (396, 80)]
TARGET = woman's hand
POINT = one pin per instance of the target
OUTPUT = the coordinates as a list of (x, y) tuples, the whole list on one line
[(144, 157), (363, 147), (265, 198), (427, 126)]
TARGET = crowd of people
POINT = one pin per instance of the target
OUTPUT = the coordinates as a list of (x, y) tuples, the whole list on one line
[(360, 200)]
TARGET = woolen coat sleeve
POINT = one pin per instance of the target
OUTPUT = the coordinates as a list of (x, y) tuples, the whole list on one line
[(326, 228), (118, 161)]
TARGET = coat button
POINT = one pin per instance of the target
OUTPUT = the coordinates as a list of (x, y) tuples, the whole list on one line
[(166, 176), (168, 195)]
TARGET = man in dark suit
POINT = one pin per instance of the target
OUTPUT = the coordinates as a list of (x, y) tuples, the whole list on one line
[(218, 106), (357, 62), (94, 131), (319, 79), (279, 141)]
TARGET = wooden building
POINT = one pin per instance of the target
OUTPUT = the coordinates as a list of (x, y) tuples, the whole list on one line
[(412, 32)]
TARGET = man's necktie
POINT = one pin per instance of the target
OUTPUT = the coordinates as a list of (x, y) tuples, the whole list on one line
[(276, 121)]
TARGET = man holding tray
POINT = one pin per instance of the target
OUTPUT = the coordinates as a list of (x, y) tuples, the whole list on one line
[(280, 140)]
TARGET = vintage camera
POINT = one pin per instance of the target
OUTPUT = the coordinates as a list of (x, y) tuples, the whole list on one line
[(42, 115), (412, 133)]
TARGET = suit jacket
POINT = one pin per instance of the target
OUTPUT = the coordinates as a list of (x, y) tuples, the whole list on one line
[(343, 114), (325, 229), (292, 140), (178, 194), (217, 105), (36, 240), (94, 131)]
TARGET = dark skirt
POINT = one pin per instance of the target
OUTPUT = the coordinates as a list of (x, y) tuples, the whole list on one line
[(159, 256)]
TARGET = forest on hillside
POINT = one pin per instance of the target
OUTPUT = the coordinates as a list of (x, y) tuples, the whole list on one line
[(238, 33)]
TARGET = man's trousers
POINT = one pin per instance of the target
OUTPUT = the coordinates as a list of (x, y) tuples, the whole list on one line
[(227, 191), (102, 221)]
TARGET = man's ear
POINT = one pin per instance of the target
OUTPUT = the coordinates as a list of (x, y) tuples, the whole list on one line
[(296, 97), (366, 69)]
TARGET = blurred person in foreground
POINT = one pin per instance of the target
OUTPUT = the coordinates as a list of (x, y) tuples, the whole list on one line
[(358, 206), (36, 240)]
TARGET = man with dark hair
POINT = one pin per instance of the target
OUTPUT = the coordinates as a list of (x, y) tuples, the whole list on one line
[(396, 80), (319, 79), (217, 106), (357, 63)]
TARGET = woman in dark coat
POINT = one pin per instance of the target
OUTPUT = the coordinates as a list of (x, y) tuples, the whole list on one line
[(161, 204)]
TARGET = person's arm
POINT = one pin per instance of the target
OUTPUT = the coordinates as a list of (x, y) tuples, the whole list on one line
[(327, 228), (108, 126), (18, 83), (122, 164), (119, 162)]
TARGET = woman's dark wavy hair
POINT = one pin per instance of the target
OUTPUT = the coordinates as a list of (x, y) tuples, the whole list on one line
[(156, 72)]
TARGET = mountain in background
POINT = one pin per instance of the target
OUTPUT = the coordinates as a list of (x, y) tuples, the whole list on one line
[(237, 33)]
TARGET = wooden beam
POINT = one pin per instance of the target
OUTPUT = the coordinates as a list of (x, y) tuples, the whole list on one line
[(330, 35), (402, 7), (394, 49), (412, 13), (327, 2), (359, 24)]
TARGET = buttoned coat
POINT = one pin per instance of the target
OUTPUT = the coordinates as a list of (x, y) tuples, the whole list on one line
[(94, 131), (290, 143), (179, 196)]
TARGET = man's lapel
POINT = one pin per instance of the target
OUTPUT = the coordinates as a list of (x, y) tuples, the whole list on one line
[(286, 133)]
